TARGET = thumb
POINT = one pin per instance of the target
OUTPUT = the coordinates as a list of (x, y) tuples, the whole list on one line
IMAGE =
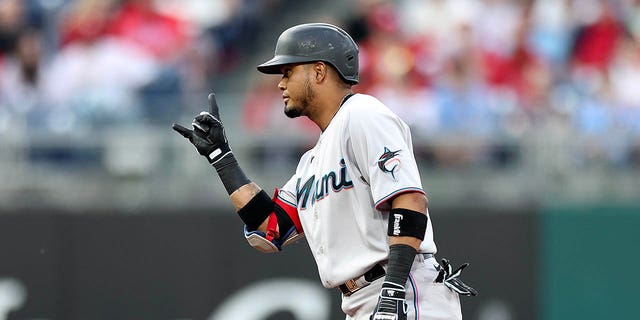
[(187, 133), (213, 106)]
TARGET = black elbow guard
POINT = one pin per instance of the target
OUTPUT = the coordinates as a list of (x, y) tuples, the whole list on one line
[(407, 223)]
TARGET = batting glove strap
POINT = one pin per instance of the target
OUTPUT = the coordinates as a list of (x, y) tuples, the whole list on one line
[(391, 303), (452, 281)]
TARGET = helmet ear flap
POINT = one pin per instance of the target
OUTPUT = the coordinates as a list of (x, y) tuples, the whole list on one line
[(351, 60)]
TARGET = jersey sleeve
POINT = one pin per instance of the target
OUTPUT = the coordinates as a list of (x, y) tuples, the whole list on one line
[(381, 144), (287, 194)]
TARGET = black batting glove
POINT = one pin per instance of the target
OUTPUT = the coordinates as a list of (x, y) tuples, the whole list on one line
[(391, 304), (208, 133), (451, 279)]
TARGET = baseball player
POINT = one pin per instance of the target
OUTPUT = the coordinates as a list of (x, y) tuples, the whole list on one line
[(356, 196)]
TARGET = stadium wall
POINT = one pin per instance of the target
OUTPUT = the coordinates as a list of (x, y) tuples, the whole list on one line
[(197, 265)]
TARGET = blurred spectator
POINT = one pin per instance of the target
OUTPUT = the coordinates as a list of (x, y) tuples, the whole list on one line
[(140, 23), (92, 80), (492, 69), (631, 18), (21, 78), (238, 36), (387, 58), (624, 71), (518, 70), (596, 40), (462, 101), (96, 82), (551, 31), (481, 69), (12, 20), (86, 21), (496, 24)]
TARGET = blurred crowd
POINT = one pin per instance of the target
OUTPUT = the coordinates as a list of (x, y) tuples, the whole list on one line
[(455, 70), (466, 70), (68, 65)]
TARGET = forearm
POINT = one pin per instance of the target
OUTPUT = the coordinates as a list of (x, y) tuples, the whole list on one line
[(241, 197), (241, 191), (410, 241), (244, 194), (408, 218), (402, 251)]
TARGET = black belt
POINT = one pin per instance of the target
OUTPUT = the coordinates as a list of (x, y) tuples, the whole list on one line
[(355, 284), (375, 273)]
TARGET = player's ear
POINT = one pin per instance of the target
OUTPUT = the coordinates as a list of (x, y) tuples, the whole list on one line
[(320, 69)]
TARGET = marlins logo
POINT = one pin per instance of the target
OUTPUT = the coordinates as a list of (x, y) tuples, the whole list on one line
[(388, 162)]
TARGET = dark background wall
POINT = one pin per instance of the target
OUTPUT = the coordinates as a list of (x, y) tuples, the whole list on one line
[(184, 266)]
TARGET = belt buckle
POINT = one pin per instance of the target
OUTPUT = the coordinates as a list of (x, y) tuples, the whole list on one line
[(352, 285)]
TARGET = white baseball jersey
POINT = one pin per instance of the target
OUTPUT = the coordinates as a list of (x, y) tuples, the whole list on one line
[(342, 186)]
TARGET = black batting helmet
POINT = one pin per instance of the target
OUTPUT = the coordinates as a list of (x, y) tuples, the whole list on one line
[(311, 42)]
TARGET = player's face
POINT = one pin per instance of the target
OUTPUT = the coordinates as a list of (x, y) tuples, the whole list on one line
[(296, 89)]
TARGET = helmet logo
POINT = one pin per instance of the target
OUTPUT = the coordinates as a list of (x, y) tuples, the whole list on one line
[(308, 44)]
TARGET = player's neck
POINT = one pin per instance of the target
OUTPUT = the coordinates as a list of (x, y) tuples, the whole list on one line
[(328, 107)]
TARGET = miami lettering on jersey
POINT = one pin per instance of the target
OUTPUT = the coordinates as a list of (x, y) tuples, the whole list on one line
[(317, 190)]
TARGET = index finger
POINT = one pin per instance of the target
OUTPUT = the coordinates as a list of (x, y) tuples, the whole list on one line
[(213, 106), (182, 130)]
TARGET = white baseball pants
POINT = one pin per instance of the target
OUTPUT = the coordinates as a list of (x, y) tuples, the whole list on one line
[(426, 300)]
